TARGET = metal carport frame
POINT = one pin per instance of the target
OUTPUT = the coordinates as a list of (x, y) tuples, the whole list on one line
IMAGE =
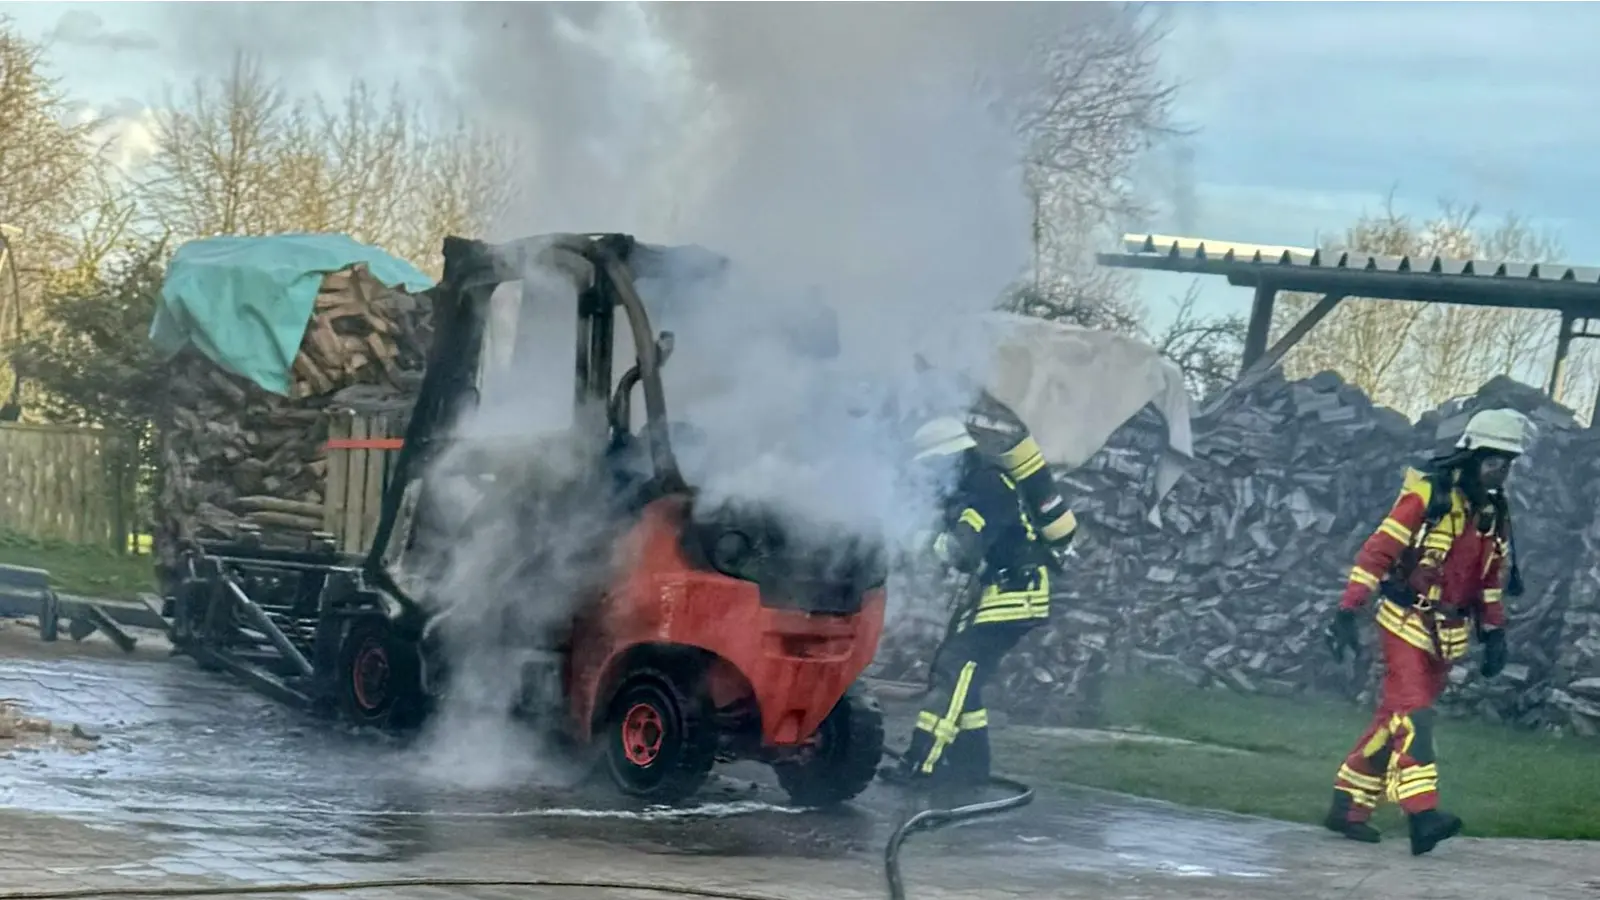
[(1572, 291)]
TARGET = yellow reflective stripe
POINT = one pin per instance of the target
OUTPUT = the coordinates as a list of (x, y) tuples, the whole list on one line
[(969, 516), (1409, 627), (1356, 779), (1402, 724), (1027, 524), (971, 721), (927, 721), (1416, 789), (1010, 606), (1064, 524), (1419, 773), (946, 729), (1492, 595), (1020, 456), (1362, 798), (1396, 530), (1006, 601), (1016, 614), (1374, 744), (1438, 541), (1028, 467), (1363, 577), (1394, 620)]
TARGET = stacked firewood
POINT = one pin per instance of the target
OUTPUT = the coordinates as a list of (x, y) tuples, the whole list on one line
[(233, 452), (1256, 543)]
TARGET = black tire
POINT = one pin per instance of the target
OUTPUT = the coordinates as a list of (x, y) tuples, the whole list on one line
[(378, 677), (844, 759), (660, 743)]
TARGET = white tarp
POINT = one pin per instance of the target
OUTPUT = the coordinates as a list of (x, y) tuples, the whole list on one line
[(1074, 387)]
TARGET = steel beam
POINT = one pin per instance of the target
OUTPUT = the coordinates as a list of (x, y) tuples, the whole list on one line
[(1558, 367), (1296, 332), (1255, 338)]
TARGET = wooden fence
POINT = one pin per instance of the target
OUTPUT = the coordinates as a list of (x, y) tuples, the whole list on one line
[(362, 452), (64, 483)]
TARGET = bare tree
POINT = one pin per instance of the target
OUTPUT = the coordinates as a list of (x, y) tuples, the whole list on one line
[(48, 161), (218, 153), (1098, 104), (60, 211), (1206, 348), (1364, 340), (235, 156), (1414, 356)]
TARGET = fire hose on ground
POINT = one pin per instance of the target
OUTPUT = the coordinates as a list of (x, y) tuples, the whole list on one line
[(932, 819)]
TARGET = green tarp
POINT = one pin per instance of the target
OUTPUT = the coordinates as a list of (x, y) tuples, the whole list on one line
[(245, 301)]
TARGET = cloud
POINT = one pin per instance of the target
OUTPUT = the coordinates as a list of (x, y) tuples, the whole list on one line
[(128, 137), (123, 131), (85, 29)]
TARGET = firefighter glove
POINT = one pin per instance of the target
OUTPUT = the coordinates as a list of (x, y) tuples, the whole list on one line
[(1060, 554), (1494, 652), (1342, 636)]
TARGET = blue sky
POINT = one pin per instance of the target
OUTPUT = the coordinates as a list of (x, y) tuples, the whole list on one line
[(1308, 113)]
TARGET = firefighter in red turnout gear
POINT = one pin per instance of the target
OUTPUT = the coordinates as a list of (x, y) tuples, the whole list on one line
[(1439, 563)]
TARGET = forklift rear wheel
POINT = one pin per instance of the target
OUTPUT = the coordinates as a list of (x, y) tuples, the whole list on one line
[(378, 676), (843, 758), (660, 744)]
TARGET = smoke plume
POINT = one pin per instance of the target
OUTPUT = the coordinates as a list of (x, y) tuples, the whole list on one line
[(858, 157)]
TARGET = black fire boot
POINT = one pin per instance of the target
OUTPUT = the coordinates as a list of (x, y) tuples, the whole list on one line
[(1430, 827), (1338, 821), (904, 771)]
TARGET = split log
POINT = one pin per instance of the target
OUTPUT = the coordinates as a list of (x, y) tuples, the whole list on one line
[(279, 505)]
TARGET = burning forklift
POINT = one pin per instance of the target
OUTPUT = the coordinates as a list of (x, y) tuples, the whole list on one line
[(674, 637)]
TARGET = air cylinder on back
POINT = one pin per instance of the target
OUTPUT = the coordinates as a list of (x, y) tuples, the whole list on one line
[(1003, 438)]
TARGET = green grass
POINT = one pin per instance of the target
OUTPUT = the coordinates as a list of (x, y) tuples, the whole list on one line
[(1503, 782), (76, 569)]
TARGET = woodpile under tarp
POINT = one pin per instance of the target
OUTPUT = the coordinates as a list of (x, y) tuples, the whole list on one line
[(233, 452), (1236, 585)]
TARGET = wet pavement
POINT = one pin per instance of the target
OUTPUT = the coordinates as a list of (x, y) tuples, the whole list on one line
[(213, 780)]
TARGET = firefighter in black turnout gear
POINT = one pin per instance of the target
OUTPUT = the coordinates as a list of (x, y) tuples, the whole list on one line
[(986, 532)]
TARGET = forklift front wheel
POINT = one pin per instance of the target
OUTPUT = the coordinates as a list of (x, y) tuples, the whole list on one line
[(660, 744), (843, 758), (377, 675)]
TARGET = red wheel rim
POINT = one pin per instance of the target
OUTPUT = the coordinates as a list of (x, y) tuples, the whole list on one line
[(371, 680), (642, 732)]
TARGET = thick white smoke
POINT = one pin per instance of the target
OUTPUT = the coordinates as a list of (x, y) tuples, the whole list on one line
[(849, 156), (853, 155), (856, 155)]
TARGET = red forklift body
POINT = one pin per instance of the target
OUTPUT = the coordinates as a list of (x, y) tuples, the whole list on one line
[(794, 664)]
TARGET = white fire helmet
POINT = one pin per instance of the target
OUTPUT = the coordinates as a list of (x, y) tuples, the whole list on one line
[(944, 436), (1505, 430)]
